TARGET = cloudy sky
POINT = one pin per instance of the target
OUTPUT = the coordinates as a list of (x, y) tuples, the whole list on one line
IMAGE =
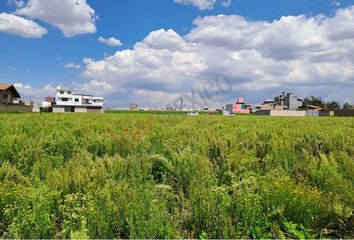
[(153, 51)]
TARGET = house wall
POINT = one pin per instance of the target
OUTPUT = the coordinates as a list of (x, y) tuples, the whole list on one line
[(58, 109), (263, 112), (279, 107), (293, 113), (82, 100), (287, 100), (36, 109), (325, 113), (94, 110), (266, 107), (279, 113), (288, 113), (64, 109), (292, 102), (15, 108), (313, 113), (238, 109), (230, 108), (80, 109), (6, 97)]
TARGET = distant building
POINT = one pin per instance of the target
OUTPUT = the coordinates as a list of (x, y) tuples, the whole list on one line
[(134, 106), (8, 94), (210, 109), (267, 105), (45, 106), (239, 107), (293, 113), (10, 100), (48, 104), (50, 100), (68, 101), (286, 101)]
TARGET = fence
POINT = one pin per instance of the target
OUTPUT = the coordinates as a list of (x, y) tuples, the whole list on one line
[(15, 108), (344, 113), (290, 113)]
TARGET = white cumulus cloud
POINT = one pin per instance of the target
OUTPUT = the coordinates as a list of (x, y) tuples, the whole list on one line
[(201, 4), (163, 57), (72, 65), (307, 55), (110, 41), (36, 94), (204, 4), (19, 26), (72, 17)]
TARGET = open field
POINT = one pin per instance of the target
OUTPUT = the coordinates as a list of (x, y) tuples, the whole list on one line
[(172, 176)]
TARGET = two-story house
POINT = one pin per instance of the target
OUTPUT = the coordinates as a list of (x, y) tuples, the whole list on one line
[(8, 94), (68, 101), (239, 107)]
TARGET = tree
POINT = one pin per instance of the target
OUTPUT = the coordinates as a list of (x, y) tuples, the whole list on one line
[(332, 105), (316, 101), (347, 106)]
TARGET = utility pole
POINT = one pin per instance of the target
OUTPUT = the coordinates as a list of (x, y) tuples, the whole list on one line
[(181, 104)]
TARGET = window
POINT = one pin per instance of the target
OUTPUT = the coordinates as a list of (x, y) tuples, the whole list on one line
[(5, 96), (62, 92), (76, 100), (69, 92), (64, 99)]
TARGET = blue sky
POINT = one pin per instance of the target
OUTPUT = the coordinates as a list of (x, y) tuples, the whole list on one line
[(37, 62)]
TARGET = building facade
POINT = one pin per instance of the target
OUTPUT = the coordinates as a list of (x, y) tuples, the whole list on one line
[(134, 107), (10, 100), (282, 113), (287, 101), (8, 94), (239, 107), (294, 113), (68, 101)]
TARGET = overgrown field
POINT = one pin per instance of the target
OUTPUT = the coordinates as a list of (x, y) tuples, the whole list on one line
[(172, 176)]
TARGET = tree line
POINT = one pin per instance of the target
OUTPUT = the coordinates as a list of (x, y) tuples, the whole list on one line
[(327, 105)]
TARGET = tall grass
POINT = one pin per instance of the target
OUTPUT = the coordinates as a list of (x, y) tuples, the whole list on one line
[(173, 176)]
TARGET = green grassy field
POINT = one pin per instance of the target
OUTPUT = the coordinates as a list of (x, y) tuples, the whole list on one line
[(174, 176)]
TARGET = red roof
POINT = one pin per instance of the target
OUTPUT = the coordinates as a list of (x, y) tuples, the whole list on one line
[(314, 107), (10, 87), (4, 86)]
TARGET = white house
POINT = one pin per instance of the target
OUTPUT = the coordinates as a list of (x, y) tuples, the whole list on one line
[(68, 101)]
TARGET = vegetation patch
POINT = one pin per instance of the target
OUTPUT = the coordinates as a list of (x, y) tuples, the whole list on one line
[(174, 176)]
